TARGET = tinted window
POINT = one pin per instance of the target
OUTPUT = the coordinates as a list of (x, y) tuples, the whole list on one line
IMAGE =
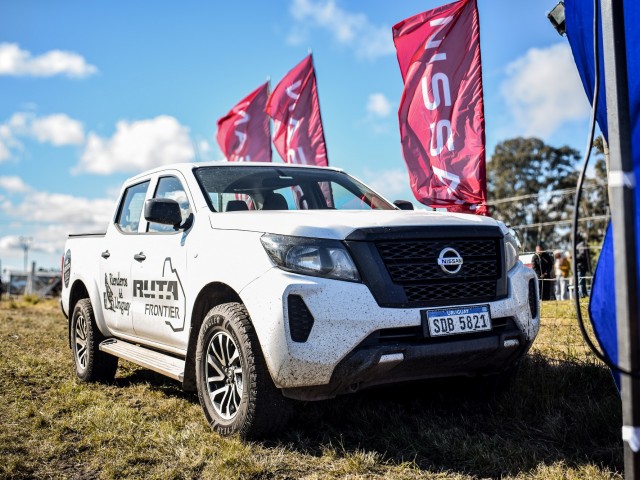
[(286, 188), (131, 207), (170, 187)]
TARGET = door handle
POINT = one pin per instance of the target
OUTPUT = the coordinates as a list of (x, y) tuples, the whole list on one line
[(105, 254), (141, 257)]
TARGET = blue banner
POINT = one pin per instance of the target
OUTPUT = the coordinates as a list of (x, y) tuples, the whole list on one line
[(579, 21)]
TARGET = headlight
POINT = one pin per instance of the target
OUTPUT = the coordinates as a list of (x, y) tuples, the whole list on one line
[(311, 256), (510, 251)]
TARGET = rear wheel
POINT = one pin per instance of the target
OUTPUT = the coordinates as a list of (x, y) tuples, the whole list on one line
[(90, 363), (234, 385)]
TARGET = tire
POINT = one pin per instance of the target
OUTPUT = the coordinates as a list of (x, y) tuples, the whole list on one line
[(90, 363), (235, 388)]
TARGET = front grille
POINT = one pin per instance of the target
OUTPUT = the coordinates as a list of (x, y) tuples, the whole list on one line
[(419, 249), (450, 290), (413, 265)]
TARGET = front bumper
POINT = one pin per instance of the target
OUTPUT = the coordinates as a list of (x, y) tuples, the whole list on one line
[(338, 352), (415, 359)]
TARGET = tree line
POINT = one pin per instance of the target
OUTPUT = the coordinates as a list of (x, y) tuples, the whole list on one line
[(531, 187)]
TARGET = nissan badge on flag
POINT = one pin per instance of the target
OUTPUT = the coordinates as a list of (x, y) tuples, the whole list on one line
[(441, 112), (243, 133), (295, 109)]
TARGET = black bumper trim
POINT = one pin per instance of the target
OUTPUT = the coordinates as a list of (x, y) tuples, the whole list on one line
[(457, 357)]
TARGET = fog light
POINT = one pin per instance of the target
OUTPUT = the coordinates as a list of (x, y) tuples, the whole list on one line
[(514, 342)]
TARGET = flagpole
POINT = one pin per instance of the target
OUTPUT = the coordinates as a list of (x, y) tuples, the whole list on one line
[(326, 150), (269, 120), (622, 185)]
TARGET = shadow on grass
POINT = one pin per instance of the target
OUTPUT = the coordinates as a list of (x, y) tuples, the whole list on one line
[(127, 377), (553, 412)]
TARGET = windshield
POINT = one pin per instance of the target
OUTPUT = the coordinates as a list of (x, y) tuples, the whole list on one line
[(284, 188)]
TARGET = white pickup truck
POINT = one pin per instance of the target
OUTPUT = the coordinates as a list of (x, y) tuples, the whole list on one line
[(253, 284)]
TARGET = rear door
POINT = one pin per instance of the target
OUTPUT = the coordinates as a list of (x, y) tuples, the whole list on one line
[(123, 240)]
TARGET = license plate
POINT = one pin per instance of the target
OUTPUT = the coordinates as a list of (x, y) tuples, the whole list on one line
[(456, 320)]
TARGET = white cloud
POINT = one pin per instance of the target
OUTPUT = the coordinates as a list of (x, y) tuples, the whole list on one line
[(52, 216), (204, 147), (9, 242), (10, 245), (5, 154), (17, 62), (392, 184), (47, 208), (58, 130), (352, 29), (16, 242), (18, 123), (378, 105), (137, 146), (8, 142), (543, 90), (13, 184)]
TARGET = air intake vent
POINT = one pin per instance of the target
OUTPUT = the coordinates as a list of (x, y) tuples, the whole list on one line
[(300, 319), (533, 298)]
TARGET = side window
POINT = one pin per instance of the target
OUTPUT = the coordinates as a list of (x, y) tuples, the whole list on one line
[(170, 187), (131, 207), (343, 199)]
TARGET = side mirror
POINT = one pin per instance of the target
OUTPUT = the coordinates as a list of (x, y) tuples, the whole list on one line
[(164, 211), (403, 204)]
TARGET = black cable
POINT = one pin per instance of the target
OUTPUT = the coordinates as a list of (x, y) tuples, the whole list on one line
[(602, 356)]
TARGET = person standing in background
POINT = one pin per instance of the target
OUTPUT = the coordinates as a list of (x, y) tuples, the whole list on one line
[(584, 265), (543, 266), (562, 267)]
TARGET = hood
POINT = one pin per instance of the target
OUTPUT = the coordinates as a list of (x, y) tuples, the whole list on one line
[(335, 224)]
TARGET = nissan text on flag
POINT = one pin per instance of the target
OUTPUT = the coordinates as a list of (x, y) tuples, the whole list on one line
[(221, 277), (441, 112)]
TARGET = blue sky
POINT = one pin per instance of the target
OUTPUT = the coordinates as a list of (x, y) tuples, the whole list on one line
[(94, 92)]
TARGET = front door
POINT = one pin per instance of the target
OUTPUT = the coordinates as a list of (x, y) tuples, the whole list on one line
[(159, 272)]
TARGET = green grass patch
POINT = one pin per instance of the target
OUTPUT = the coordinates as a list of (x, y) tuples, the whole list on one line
[(561, 419)]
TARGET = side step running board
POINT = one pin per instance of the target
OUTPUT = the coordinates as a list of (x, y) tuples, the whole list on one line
[(158, 362)]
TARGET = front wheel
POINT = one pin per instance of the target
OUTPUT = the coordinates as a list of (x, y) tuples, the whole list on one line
[(234, 385), (90, 363)]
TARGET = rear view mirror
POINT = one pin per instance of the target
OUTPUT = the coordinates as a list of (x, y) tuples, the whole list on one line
[(164, 211), (403, 204)]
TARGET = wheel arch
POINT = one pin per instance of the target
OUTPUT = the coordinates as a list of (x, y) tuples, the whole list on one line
[(211, 295), (78, 291)]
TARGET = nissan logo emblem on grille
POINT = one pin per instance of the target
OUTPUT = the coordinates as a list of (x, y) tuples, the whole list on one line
[(450, 260)]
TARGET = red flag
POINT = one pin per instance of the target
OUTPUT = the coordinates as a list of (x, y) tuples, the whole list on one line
[(441, 113), (243, 133), (295, 109)]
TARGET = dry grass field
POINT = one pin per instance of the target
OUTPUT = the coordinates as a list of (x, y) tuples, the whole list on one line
[(561, 419)]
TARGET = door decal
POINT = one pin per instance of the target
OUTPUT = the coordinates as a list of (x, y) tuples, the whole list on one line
[(164, 298)]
